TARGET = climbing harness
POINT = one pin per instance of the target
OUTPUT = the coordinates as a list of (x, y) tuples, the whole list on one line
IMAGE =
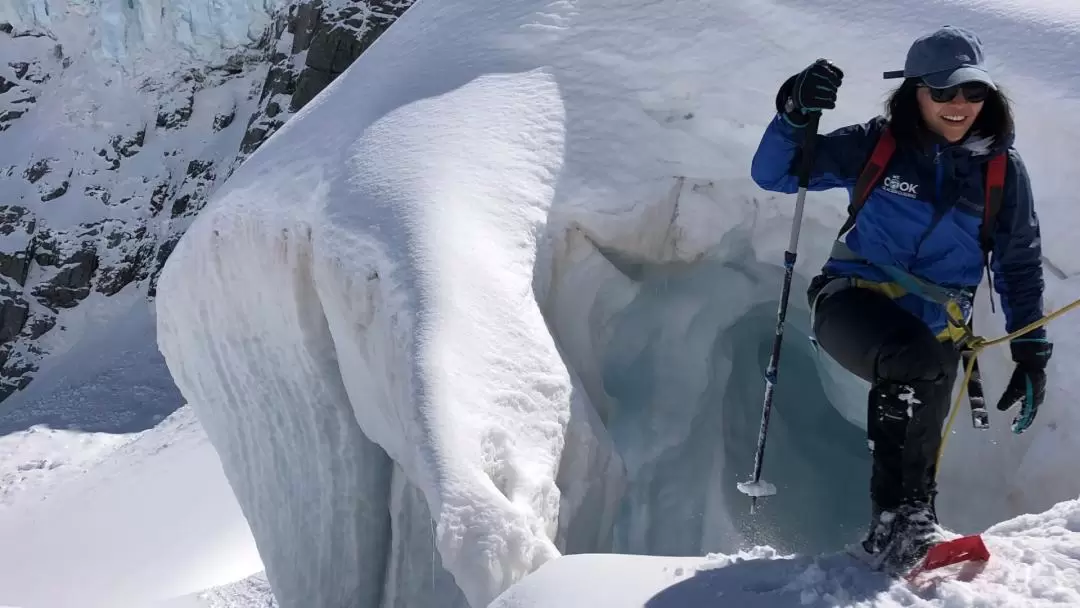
[(957, 304), (958, 308)]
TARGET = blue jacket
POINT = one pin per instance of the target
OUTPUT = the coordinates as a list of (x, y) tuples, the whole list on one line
[(924, 216)]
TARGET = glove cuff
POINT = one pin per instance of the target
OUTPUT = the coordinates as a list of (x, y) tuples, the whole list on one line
[(1031, 353), (794, 116)]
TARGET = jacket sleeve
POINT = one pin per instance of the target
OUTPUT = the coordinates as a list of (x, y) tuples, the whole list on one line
[(838, 158), (1017, 253)]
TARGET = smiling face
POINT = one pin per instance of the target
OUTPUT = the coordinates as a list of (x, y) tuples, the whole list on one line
[(950, 119)]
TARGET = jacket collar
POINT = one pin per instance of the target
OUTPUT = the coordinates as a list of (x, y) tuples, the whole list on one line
[(975, 147)]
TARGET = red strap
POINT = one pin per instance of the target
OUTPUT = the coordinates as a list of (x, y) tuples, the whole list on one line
[(871, 173), (995, 192), (879, 159), (995, 188)]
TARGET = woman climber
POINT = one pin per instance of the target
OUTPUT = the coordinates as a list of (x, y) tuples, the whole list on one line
[(894, 298)]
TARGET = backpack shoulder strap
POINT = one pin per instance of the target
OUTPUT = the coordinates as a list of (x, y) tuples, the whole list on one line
[(871, 174), (995, 192)]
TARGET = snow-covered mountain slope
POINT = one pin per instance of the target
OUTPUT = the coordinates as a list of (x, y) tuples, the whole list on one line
[(518, 304), (117, 120), (110, 492), (151, 520)]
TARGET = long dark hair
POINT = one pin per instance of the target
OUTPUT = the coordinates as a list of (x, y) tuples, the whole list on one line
[(902, 110)]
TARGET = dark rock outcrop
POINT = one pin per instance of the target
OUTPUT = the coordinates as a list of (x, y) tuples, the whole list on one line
[(333, 36), (47, 270)]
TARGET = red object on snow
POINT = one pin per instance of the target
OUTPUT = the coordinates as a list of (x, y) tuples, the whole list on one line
[(963, 549)]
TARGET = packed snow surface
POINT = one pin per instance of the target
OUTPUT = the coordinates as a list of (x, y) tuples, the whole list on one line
[(110, 492), (1035, 562), (526, 290)]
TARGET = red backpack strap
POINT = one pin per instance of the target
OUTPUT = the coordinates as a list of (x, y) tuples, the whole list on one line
[(995, 192), (871, 174)]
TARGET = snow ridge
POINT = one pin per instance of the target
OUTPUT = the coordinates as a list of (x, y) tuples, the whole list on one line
[(493, 524)]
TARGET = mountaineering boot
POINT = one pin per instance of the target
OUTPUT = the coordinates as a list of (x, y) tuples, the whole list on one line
[(903, 432), (915, 531), (880, 531)]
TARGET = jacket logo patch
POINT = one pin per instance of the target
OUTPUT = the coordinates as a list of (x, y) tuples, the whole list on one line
[(894, 184)]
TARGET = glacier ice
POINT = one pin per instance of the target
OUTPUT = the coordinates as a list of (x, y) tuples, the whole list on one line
[(526, 290), (130, 30), (674, 357), (382, 369)]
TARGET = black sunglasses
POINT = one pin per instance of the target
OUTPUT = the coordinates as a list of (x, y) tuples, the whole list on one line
[(973, 92)]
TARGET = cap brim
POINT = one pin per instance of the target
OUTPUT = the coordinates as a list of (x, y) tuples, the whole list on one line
[(951, 78)]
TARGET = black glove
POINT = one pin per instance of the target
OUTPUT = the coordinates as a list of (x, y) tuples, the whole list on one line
[(1027, 386), (811, 90)]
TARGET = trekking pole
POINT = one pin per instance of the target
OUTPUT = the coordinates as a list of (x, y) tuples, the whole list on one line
[(756, 487)]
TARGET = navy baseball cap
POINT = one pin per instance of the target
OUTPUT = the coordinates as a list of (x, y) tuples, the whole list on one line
[(948, 57)]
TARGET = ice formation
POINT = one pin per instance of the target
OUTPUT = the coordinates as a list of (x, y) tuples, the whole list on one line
[(134, 32)]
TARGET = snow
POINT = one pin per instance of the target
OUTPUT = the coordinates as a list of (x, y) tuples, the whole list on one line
[(140, 526), (1034, 562), (110, 486), (252, 592), (527, 290)]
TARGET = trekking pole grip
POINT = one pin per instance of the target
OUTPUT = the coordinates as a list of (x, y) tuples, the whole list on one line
[(808, 148)]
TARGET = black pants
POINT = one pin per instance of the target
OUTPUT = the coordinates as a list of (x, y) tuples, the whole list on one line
[(911, 375)]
